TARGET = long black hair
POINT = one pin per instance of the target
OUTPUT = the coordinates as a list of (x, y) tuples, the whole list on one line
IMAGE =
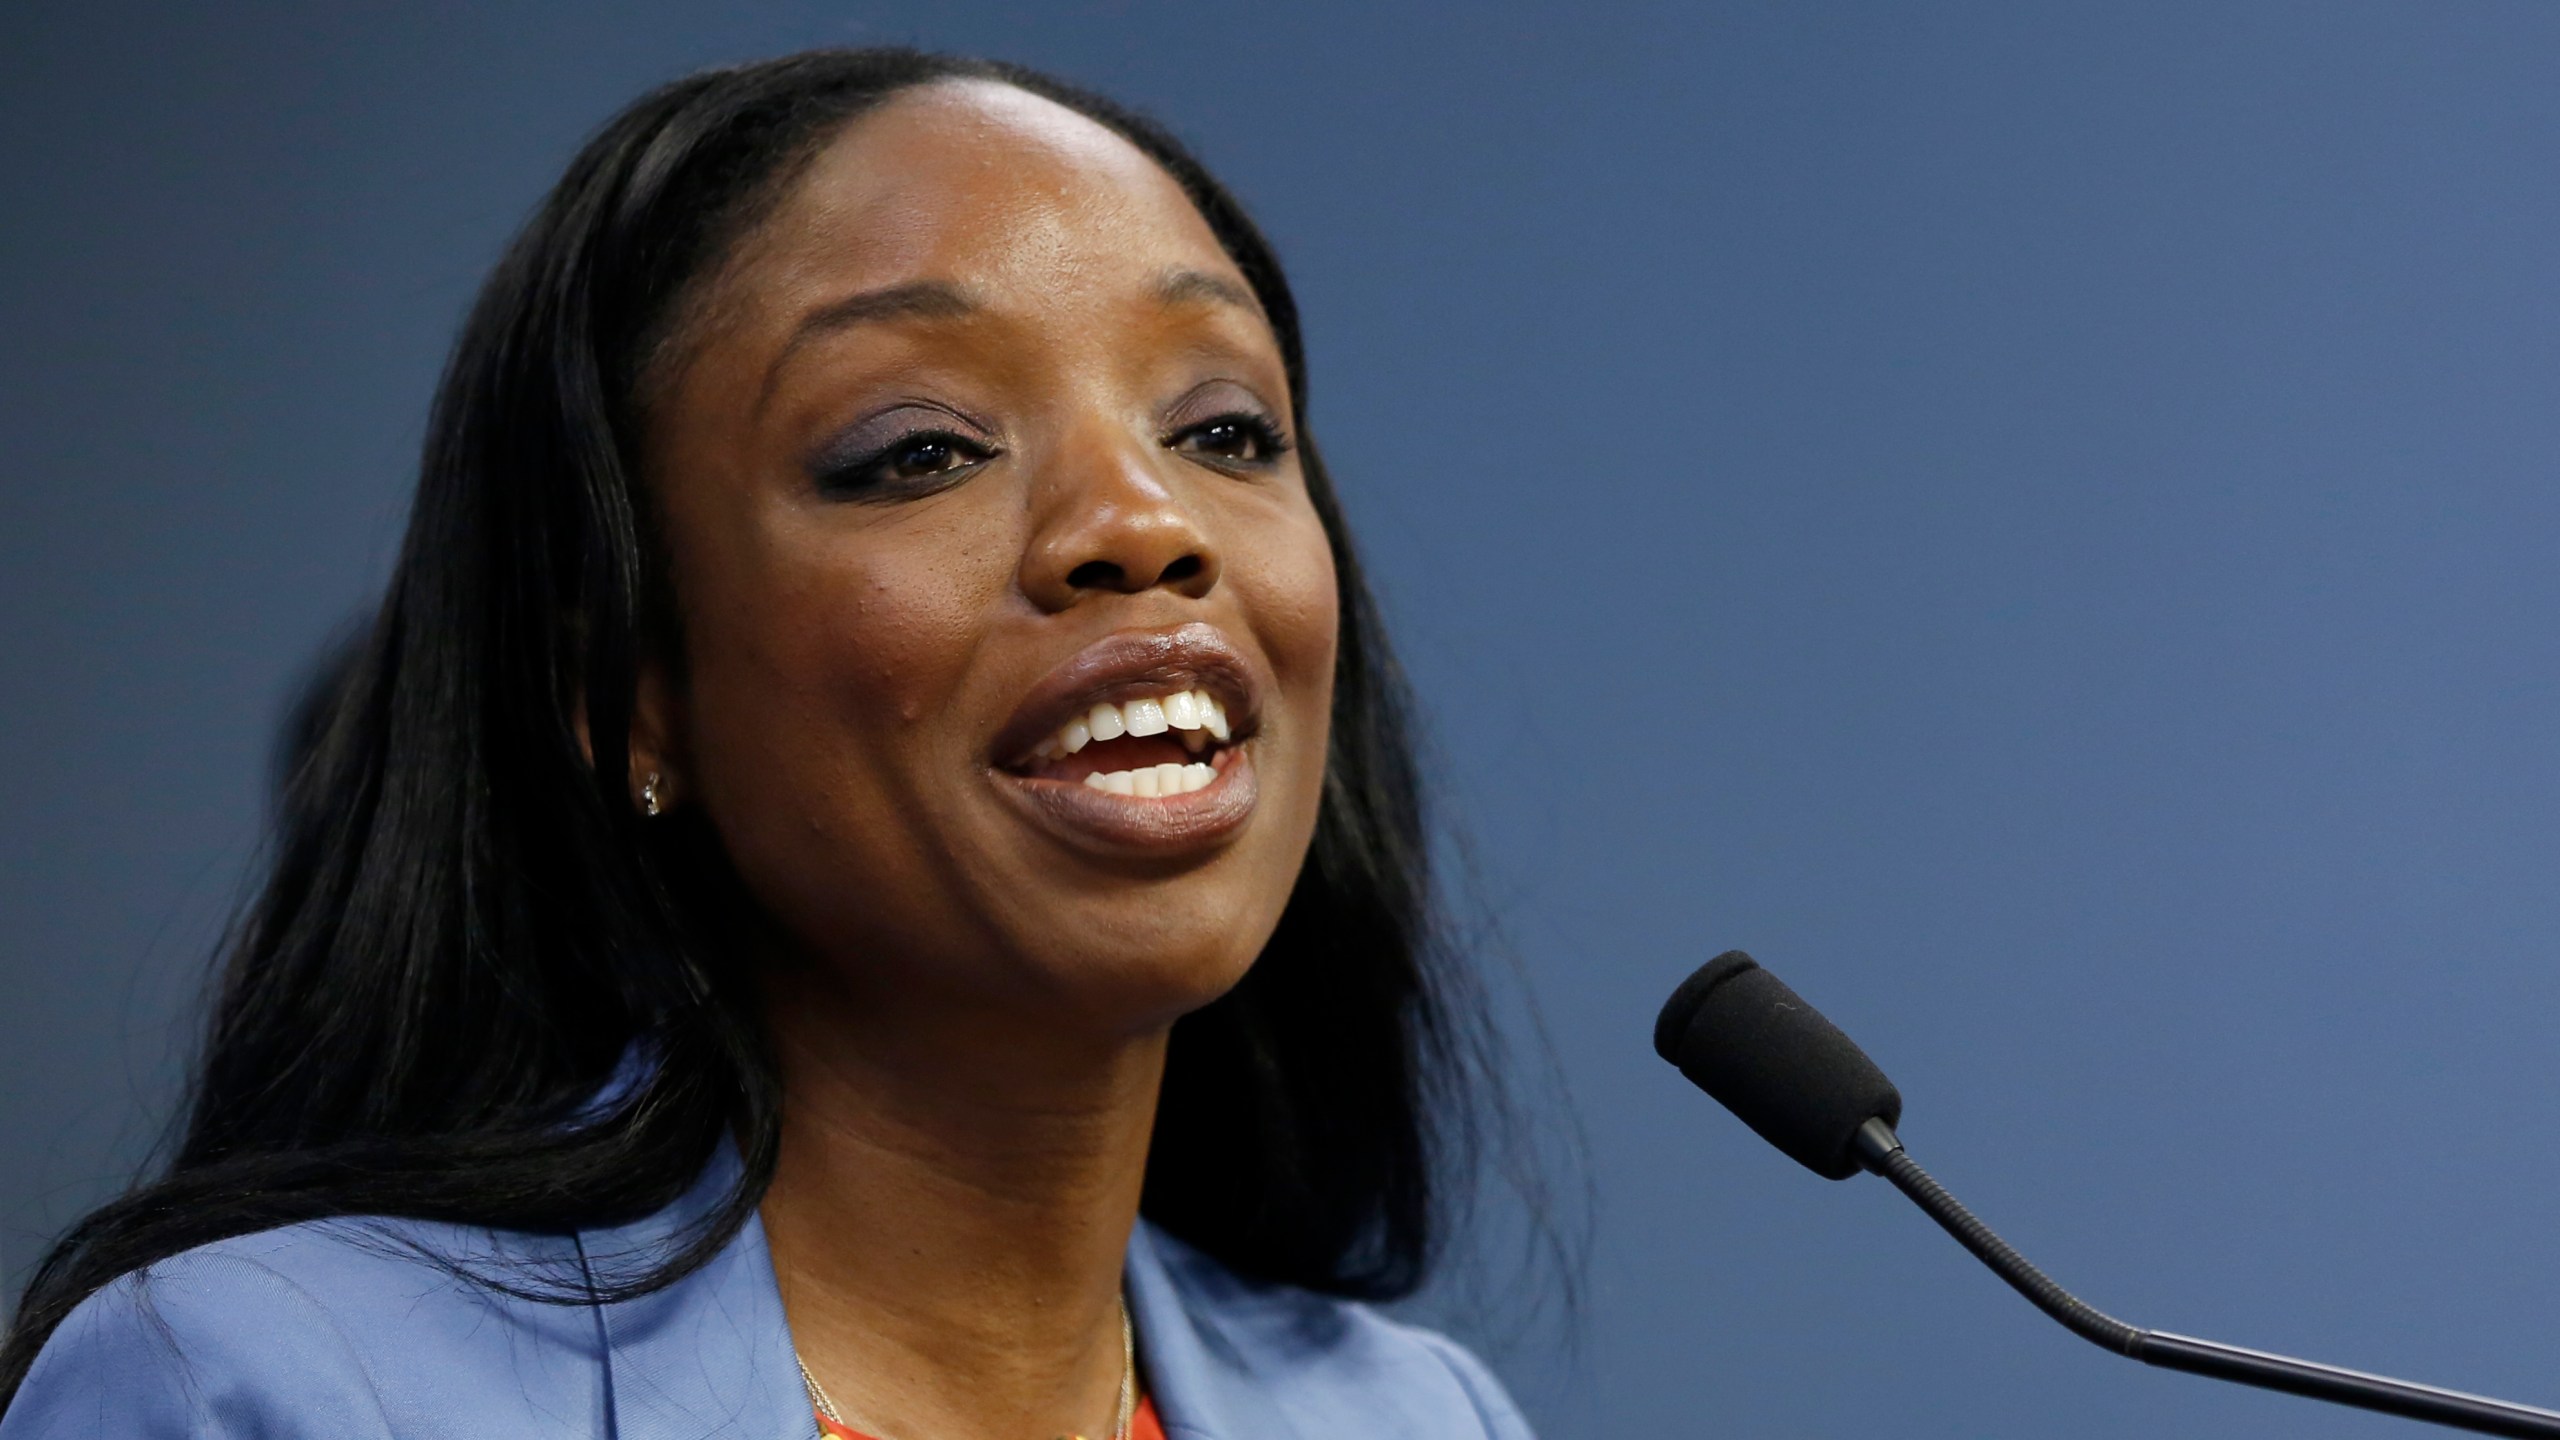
[(464, 926)]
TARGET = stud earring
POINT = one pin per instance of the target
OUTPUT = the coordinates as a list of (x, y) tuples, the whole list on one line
[(650, 802)]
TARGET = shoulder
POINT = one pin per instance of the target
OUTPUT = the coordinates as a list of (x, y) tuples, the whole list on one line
[(1315, 1363), (343, 1328)]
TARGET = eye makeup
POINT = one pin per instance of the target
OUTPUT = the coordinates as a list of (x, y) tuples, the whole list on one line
[(1226, 425), (905, 451)]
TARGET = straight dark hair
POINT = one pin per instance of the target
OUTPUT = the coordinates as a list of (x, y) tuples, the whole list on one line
[(464, 927)]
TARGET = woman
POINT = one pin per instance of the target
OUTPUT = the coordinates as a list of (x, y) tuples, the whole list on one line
[(868, 877)]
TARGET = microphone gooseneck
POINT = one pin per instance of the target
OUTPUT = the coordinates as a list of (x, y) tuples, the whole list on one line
[(1742, 1036), (1879, 1150)]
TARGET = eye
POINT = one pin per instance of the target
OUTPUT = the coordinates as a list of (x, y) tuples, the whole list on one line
[(918, 456), (1242, 438), (915, 460)]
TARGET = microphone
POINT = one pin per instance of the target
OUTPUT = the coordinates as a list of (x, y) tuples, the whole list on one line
[(1742, 1036)]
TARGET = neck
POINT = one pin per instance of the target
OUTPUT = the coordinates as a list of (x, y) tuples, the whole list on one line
[(949, 1216)]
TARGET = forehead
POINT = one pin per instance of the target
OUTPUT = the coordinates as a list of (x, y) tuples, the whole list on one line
[(982, 184)]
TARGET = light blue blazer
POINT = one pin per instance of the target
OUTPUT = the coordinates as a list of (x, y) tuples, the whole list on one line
[(340, 1329)]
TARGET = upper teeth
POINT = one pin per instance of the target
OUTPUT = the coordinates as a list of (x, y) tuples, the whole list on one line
[(1152, 715)]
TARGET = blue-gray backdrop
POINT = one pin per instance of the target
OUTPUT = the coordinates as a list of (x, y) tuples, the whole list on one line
[(2039, 519)]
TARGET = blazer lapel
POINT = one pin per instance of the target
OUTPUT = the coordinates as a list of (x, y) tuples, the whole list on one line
[(1205, 1383), (709, 1355)]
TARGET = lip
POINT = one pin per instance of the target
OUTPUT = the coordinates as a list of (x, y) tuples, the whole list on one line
[(1135, 825), (1124, 666), (1196, 656)]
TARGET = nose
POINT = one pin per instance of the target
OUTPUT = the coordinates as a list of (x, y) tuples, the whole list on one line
[(1108, 523)]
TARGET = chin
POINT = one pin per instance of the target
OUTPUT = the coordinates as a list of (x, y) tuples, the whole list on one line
[(1149, 982)]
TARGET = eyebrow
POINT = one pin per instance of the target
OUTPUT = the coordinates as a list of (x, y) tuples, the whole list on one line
[(921, 299), (1181, 286), (942, 300), (932, 299)]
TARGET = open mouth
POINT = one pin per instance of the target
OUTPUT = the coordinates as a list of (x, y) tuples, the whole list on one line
[(1144, 743), (1146, 747)]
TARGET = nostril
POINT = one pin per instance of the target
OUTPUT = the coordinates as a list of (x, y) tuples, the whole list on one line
[(1180, 570), (1095, 575)]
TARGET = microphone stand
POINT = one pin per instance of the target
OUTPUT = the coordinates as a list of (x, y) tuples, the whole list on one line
[(1880, 1151)]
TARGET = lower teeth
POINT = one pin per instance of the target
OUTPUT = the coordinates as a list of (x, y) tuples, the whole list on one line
[(1154, 781)]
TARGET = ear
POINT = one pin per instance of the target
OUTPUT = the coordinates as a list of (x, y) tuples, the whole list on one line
[(657, 762), (655, 746)]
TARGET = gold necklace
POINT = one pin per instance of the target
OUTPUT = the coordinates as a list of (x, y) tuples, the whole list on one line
[(1122, 1417)]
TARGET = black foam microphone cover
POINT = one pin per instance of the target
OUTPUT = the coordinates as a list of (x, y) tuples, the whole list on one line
[(1742, 1036)]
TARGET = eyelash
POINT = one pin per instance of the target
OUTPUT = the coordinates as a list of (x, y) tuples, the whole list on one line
[(864, 474), (1267, 441)]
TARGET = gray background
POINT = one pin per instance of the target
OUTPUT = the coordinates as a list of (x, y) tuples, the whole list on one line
[(2037, 519)]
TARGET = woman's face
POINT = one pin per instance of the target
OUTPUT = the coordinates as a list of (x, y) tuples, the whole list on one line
[(1008, 625)]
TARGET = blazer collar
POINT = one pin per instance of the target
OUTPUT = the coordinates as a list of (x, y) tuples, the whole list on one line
[(711, 1354), (708, 1355)]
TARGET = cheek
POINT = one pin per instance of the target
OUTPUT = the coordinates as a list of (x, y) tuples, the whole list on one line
[(821, 659), (1286, 583), (1296, 604)]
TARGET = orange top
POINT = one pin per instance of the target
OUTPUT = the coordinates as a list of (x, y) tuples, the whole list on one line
[(1142, 1426)]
